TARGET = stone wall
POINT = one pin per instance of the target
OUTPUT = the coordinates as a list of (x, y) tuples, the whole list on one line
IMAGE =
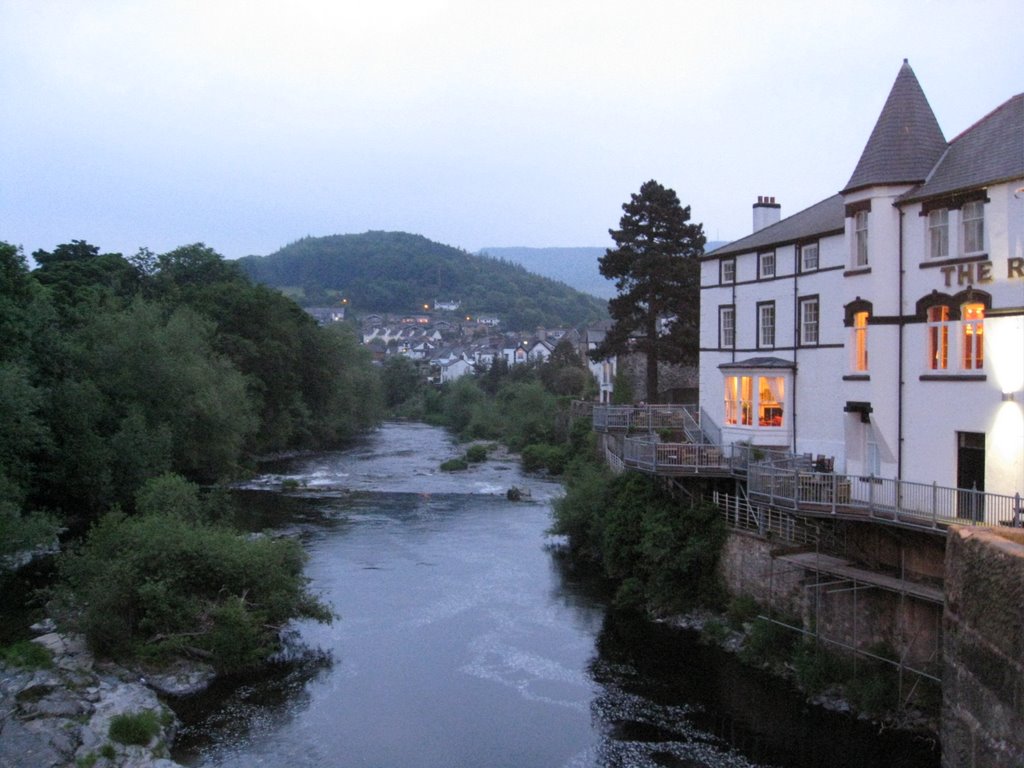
[(983, 680)]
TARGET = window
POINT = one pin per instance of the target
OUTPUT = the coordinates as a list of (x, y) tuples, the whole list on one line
[(938, 337), (809, 321), (938, 233), (860, 341), (766, 264), (739, 400), (727, 271), (808, 257), (740, 403), (860, 239), (972, 330), (872, 456), (771, 395), (972, 225), (766, 325), (727, 326)]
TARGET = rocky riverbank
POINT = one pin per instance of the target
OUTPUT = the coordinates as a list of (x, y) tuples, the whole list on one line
[(60, 714)]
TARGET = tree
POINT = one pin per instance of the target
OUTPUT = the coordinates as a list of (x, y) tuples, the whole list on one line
[(657, 274)]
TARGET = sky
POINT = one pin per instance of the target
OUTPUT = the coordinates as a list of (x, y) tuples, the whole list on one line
[(247, 125)]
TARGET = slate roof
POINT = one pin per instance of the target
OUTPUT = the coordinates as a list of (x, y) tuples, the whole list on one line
[(820, 219), (759, 362), (906, 142), (990, 151)]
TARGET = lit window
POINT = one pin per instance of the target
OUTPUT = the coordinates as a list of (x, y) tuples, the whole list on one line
[(972, 224), (767, 264), (938, 233), (771, 395), (766, 325), (938, 338), (860, 341), (728, 271), (809, 321), (739, 400), (809, 257), (860, 234), (972, 332), (727, 326)]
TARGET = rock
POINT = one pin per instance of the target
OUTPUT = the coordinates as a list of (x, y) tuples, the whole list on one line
[(44, 627), (183, 678)]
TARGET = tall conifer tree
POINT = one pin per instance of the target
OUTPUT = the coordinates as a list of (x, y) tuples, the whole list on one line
[(656, 271)]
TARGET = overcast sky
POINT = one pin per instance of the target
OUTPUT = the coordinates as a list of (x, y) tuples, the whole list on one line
[(247, 125)]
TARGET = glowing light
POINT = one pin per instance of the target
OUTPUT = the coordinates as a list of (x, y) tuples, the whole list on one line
[(1005, 341), (1007, 436)]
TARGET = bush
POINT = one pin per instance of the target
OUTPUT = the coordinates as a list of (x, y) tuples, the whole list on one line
[(27, 655), (454, 465), (476, 454), (817, 668), (541, 456), (714, 632), (767, 643), (135, 727), (740, 610), (155, 585)]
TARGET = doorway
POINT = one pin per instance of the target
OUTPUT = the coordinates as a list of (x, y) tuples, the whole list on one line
[(970, 475)]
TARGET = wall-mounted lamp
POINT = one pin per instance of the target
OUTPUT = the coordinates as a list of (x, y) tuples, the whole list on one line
[(1009, 397)]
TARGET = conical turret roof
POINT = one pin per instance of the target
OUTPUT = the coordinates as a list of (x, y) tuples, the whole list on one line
[(906, 142)]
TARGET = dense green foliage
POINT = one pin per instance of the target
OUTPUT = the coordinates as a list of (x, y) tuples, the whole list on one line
[(399, 272), (162, 582), (656, 269), (662, 554), (123, 384), (116, 370)]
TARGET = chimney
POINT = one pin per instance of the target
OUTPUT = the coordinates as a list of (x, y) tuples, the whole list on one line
[(766, 212)]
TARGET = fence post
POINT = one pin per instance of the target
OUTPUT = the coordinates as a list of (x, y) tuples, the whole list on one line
[(935, 504), (871, 494)]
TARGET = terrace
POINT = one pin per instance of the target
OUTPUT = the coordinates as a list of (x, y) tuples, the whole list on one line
[(674, 441)]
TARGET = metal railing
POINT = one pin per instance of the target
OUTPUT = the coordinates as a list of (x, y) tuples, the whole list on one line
[(785, 480)]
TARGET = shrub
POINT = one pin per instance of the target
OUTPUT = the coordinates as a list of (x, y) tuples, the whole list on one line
[(27, 655), (154, 585), (135, 727), (767, 643), (740, 610), (476, 454), (714, 632), (454, 465), (540, 456)]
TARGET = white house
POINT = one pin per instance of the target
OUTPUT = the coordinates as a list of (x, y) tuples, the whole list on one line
[(883, 327)]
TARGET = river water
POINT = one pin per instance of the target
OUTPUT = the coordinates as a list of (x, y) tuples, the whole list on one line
[(464, 639)]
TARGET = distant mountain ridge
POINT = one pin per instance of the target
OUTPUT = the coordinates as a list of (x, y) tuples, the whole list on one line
[(573, 266), (401, 272)]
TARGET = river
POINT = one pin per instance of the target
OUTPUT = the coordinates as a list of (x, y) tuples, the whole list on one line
[(464, 639)]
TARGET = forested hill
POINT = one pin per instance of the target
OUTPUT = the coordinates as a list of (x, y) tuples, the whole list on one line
[(400, 272)]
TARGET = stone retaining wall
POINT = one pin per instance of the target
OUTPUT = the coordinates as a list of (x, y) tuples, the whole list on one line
[(983, 630)]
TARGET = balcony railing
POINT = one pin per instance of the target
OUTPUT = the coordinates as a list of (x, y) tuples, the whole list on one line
[(787, 481)]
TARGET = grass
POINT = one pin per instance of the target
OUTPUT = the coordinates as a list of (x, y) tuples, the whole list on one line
[(26, 655), (135, 727)]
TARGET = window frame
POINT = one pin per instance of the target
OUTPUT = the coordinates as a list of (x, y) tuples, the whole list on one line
[(802, 249), (972, 336), (726, 311), (727, 265), (762, 327), (938, 336), (971, 224), (859, 361), (805, 303), (861, 254), (938, 233)]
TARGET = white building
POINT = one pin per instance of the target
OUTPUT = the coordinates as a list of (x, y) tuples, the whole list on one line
[(883, 327)]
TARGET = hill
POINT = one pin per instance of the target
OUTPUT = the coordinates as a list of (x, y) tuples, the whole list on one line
[(573, 266), (400, 272)]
